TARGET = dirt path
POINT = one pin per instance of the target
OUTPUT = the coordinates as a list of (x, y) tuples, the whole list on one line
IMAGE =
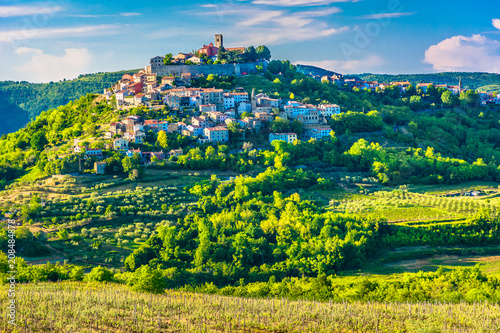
[(61, 256), (43, 261)]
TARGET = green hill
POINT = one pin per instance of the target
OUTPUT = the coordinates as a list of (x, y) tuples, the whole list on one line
[(469, 80), (480, 81), (337, 219), (489, 88), (22, 101), (307, 69)]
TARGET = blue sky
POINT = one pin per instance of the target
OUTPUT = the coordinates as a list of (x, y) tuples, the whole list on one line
[(43, 41)]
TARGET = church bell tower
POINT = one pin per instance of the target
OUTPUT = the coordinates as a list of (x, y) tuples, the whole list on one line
[(219, 41)]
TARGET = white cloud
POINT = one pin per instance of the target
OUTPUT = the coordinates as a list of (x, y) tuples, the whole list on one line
[(469, 54), (35, 9), (41, 67), (496, 23), (27, 50), (370, 64), (24, 34), (87, 16), (386, 15), (130, 14), (297, 3)]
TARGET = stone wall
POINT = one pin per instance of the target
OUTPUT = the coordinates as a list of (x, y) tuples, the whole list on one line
[(226, 69)]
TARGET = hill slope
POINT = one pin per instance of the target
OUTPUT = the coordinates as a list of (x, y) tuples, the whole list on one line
[(469, 80), (307, 69), (22, 101)]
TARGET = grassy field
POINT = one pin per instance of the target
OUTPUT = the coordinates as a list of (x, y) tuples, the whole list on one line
[(78, 307), (489, 88), (429, 259)]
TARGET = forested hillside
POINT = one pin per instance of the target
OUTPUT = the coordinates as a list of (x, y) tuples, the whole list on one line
[(404, 182), (469, 80), (22, 101)]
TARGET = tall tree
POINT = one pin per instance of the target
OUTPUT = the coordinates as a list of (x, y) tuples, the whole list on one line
[(263, 53), (251, 54), (162, 139), (222, 54), (38, 140), (447, 98)]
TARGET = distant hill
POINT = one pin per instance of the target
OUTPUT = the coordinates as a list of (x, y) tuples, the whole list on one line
[(479, 81), (306, 69), (469, 80), (22, 101)]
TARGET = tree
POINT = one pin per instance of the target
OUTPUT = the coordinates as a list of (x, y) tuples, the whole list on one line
[(410, 91), (109, 209), (469, 98), (99, 274), (263, 53), (168, 59), (281, 160), (297, 127), (77, 274), (247, 115), (146, 279), (222, 54), (63, 234), (250, 54), (280, 125), (127, 164), (210, 152), (235, 132), (447, 98), (38, 141), (416, 102), (162, 139)]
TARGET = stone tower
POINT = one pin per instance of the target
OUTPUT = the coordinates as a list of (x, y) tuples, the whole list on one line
[(219, 41)]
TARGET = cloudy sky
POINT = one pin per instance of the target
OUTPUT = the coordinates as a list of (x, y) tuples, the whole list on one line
[(43, 41)]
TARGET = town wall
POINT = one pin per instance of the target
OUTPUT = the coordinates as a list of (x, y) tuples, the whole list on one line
[(222, 69)]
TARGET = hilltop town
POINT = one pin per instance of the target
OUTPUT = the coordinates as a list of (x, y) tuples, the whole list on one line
[(214, 113)]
